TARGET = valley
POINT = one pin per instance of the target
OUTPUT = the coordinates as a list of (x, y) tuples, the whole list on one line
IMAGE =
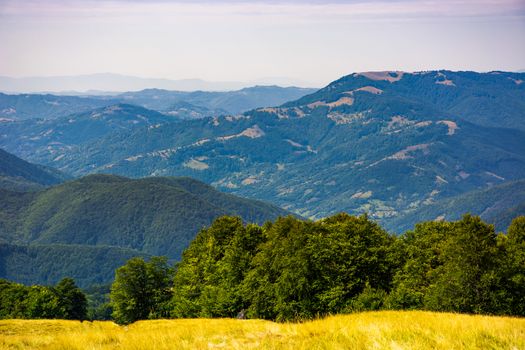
[(386, 143), (262, 174)]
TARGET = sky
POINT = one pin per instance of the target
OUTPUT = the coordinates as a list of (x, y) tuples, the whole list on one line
[(307, 42)]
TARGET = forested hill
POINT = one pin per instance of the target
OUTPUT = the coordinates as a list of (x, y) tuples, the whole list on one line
[(497, 205), (155, 216), (385, 143), (19, 175), (382, 143)]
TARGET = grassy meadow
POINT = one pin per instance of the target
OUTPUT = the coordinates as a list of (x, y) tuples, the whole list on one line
[(370, 330)]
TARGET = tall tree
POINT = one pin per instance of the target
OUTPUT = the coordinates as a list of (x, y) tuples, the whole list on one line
[(514, 264), (420, 252), (72, 300), (141, 289), (42, 302), (467, 280), (208, 279), (306, 269)]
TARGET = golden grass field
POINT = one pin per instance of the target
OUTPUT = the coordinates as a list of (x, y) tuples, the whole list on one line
[(369, 330)]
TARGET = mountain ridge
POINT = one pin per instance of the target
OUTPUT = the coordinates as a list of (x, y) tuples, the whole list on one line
[(377, 142), (17, 174), (86, 228), (119, 82), (157, 216)]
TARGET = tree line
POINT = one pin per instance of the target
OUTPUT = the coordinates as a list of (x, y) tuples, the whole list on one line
[(292, 269), (64, 300)]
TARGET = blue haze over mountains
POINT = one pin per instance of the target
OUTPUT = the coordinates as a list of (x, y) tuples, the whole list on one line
[(390, 144)]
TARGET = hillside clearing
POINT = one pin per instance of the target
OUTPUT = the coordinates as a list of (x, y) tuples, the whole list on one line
[(371, 330)]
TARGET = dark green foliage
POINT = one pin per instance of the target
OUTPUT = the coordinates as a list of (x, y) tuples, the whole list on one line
[(42, 302), (370, 299), (466, 280), (141, 290), (12, 300), (154, 215), (19, 175), (513, 268), (292, 269), (72, 300), (98, 222), (64, 301), (99, 305), (306, 269), (49, 263), (388, 154), (209, 277), (461, 266), (422, 249)]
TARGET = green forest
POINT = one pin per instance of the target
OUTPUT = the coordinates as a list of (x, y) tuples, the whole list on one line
[(292, 269)]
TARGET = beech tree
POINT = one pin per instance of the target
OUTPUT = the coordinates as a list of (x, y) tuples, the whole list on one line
[(72, 301), (141, 290)]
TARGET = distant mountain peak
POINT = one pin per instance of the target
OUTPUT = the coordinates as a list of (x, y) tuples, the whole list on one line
[(390, 76)]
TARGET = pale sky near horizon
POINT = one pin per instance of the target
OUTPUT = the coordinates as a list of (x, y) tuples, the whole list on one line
[(312, 41)]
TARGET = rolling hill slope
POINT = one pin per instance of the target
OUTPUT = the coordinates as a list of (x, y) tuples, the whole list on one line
[(196, 104), (29, 138), (385, 143), (86, 228), (157, 216), (216, 103), (496, 205), (19, 175), (31, 106)]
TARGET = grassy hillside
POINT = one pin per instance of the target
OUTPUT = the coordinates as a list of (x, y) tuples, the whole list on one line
[(374, 330)]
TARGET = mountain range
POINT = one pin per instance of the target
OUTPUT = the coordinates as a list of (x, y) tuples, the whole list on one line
[(97, 222), (109, 83), (385, 143), (179, 104), (402, 147)]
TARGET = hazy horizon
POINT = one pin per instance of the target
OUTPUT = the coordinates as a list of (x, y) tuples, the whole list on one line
[(303, 43)]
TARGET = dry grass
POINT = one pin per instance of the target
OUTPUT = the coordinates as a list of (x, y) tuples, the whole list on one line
[(373, 330)]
